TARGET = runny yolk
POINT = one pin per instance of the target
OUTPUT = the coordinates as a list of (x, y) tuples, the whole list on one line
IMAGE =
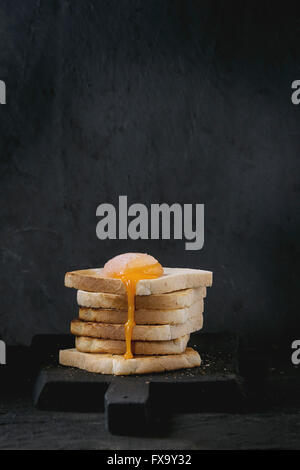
[(130, 268)]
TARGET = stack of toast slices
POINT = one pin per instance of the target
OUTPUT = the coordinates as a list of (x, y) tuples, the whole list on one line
[(167, 310)]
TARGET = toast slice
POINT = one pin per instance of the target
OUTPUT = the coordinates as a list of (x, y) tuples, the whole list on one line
[(173, 279), (139, 333), (145, 348), (142, 316), (117, 365), (179, 299)]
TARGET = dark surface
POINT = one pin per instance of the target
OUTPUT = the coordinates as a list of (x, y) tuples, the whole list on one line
[(164, 101), (269, 417), (24, 427)]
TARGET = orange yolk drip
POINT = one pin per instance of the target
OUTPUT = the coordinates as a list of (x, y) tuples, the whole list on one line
[(130, 268)]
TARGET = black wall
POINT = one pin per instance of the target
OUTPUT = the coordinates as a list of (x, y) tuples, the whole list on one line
[(164, 101)]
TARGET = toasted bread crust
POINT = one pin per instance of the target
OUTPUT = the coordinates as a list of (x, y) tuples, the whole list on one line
[(96, 345), (142, 316), (117, 365), (139, 333), (173, 279), (172, 300)]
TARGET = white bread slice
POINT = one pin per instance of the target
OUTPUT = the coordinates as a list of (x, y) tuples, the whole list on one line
[(117, 365), (142, 316), (139, 333), (179, 299), (145, 348), (173, 279)]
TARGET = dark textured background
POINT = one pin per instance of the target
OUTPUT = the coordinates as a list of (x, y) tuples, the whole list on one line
[(164, 101)]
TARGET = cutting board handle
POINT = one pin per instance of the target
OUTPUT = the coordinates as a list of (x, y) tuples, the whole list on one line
[(127, 405)]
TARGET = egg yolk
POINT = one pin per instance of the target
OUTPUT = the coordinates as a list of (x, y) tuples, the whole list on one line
[(131, 268)]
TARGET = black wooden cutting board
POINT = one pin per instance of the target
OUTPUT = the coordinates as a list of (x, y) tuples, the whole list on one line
[(133, 403)]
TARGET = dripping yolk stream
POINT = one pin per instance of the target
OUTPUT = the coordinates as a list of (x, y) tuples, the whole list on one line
[(130, 268)]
